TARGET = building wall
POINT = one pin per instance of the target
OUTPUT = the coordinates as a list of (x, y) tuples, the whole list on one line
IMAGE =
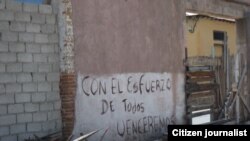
[(201, 42), (117, 41), (29, 71)]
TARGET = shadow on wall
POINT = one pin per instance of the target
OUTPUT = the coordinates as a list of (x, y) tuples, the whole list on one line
[(35, 1)]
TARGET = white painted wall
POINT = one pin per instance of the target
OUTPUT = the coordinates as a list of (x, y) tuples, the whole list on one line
[(150, 93)]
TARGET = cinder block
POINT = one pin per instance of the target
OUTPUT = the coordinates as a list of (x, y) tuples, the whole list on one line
[(13, 5), (7, 78), (39, 97), (47, 28), (56, 67), (22, 17), (29, 87), (53, 38), (44, 87), (36, 18), (6, 15), (9, 36), (24, 57), (35, 28), (24, 77), (17, 26), (54, 115), (40, 58), (41, 38), (12, 88), (4, 26), (45, 68), (30, 67), (2, 69), (33, 48), (2, 89), (17, 47), (22, 118), (3, 110), (46, 106), (47, 48), (53, 77), (8, 57), (7, 99), (30, 107), (4, 47), (55, 86), (53, 58), (26, 37), (15, 108), (53, 96), (51, 19), (4, 131), (14, 67), (26, 136), (22, 98), (2, 6), (30, 7), (34, 127), (48, 126), (56, 48), (38, 77), (40, 116), (19, 128), (59, 124), (7, 120), (45, 9), (9, 138), (57, 105)]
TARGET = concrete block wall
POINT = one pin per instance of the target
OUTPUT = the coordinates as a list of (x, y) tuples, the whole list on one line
[(29, 71)]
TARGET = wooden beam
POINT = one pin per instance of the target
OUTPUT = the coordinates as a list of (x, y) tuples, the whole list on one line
[(84, 137), (199, 79), (201, 94), (191, 88), (201, 74), (191, 115), (199, 107)]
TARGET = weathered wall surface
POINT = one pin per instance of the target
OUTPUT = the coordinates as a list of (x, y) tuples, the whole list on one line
[(218, 7), (131, 106), (118, 41), (127, 36), (247, 2), (29, 71)]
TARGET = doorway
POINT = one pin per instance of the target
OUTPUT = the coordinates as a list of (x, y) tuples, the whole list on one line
[(210, 58)]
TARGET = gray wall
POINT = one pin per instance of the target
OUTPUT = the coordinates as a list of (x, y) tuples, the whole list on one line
[(29, 71), (119, 39)]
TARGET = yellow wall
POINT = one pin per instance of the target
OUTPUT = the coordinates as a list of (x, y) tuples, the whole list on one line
[(201, 41)]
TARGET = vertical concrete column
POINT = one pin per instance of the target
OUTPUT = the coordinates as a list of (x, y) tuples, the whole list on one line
[(241, 55), (67, 76), (247, 18), (243, 50)]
